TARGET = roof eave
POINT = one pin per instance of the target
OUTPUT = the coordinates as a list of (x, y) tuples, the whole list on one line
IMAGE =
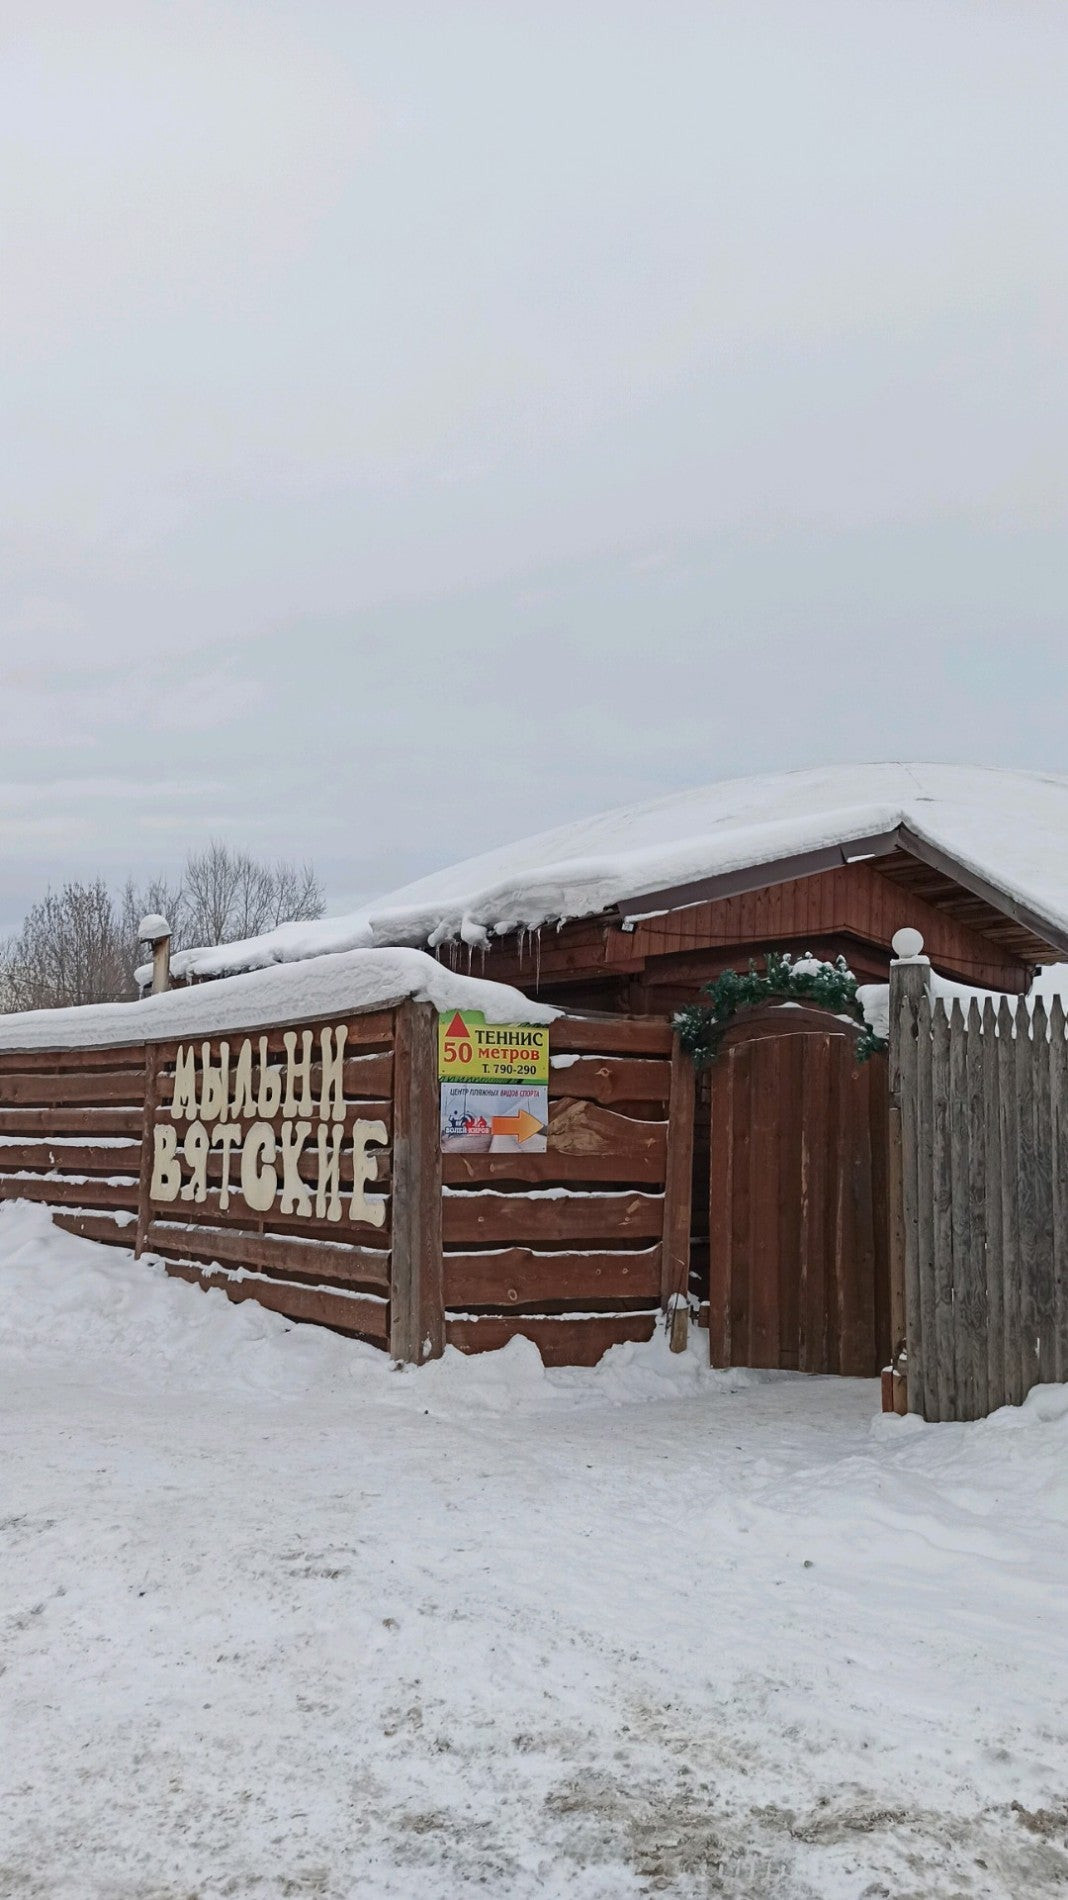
[(831, 857)]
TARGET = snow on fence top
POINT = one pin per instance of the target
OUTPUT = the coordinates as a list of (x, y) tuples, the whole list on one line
[(1009, 827), (331, 986)]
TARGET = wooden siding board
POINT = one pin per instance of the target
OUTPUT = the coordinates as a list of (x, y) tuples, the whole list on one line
[(607, 1035), (51, 1157), (945, 1369), (857, 1262), (927, 1381), (886, 1340), (812, 1239), (913, 1215), (991, 1204), (561, 1342), (65, 1121), (720, 1206), (580, 1129), (637, 1167), (53, 1190), (523, 1219), (1010, 1220), (305, 1259), (1059, 1209), (974, 1300), (739, 1212), (319, 1306), (791, 1059), (613, 1080), (75, 1088), (1044, 1267), (1025, 1203), (764, 1187), (520, 1275)]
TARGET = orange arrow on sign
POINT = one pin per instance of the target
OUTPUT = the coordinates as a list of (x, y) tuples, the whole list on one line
[(521, 1125)]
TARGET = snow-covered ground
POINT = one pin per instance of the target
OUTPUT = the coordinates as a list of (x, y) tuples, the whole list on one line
[(280, 1621)]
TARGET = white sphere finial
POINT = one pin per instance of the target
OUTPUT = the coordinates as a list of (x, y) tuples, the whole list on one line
[(906, 944)]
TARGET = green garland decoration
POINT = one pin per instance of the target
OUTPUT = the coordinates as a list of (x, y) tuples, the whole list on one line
[(796, 980)]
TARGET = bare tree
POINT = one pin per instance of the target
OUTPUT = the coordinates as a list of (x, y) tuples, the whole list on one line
[(78, 945), (69, 950), (228, 895)]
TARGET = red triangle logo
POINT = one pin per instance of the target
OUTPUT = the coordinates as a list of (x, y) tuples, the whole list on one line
[(456, 1028)]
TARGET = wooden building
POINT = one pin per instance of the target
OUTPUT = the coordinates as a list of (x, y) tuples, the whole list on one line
[(790, 1258), (760, 1187)]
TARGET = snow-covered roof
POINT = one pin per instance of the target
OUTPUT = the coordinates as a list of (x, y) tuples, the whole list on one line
[(338, 985), (1008, 828)]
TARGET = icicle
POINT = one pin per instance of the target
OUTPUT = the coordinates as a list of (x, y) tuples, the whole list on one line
[(537, 958)]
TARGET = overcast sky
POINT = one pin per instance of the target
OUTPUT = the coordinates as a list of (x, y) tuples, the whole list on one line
[(423, 424)]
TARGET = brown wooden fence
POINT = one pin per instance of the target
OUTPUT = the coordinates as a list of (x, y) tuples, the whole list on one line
[(579, 1248), (301, 1166), (71, 1122), (980, 1107)]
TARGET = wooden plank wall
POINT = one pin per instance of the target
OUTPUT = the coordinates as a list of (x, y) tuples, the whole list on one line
[(70, 1136), (306, 1269), (983, 1102), (578, 1248)]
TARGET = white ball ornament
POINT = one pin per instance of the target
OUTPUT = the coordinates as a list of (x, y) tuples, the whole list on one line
[(907, 943)]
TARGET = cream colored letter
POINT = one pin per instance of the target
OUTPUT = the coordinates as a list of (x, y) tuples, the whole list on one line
[(270, 1086), (259, 1180), (298, 1071), (166, 1169), (184, 1099), (227, 1137), (295, 1197), (365, 1169), (328, 1187), (195, 1148), (243, 1105), (332, 1086), (214, 1083)]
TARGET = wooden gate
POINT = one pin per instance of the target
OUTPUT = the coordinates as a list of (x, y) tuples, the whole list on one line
[(798, 1266)]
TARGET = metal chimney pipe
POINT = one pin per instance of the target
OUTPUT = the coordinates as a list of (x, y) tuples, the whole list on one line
[(156, 931)]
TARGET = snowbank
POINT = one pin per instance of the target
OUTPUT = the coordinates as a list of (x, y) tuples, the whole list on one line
[(66, 1299), (1009, 827), (63, 1298), (329, 986)]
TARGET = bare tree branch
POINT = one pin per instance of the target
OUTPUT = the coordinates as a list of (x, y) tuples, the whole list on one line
[(79, 944)]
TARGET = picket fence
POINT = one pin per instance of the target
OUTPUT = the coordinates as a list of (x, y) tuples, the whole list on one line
[(979, 1111)]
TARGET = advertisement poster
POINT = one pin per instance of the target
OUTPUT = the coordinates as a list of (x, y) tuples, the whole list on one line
[(494, 1085)]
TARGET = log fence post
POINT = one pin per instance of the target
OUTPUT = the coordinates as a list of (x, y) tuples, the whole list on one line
[(909, 984), (416, 1301), (678, 1195)]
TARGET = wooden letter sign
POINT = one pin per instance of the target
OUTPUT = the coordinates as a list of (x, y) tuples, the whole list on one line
[(272, 1137)]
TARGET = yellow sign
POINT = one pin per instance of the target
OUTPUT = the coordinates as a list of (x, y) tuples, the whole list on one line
[(473, 1050)]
